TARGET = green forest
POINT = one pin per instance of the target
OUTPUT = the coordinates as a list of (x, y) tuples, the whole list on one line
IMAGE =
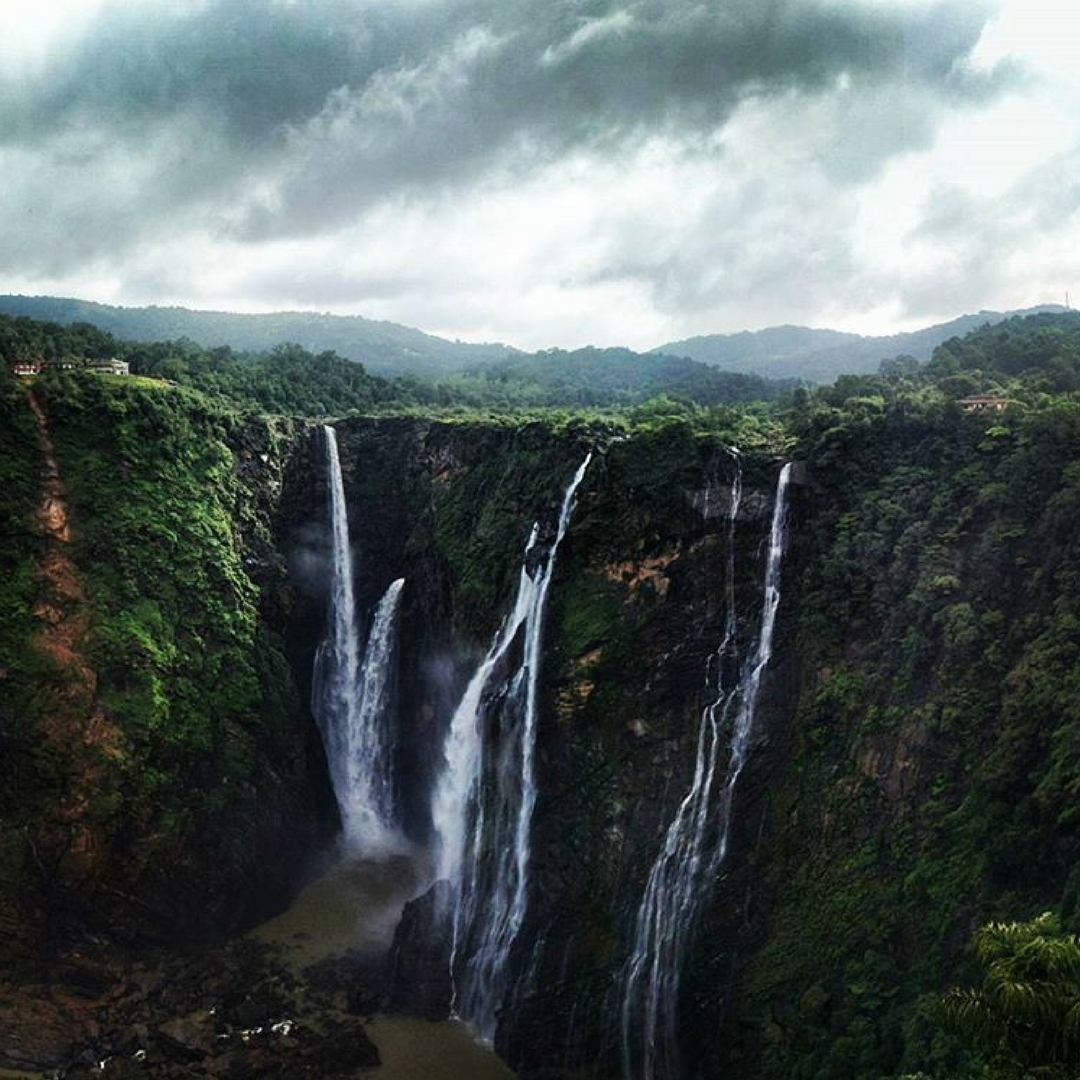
[(289, 380), (923, 795)]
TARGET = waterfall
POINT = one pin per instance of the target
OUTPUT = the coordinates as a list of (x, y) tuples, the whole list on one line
[(350, 697), (369, 810), (696, 842), (483, 803)]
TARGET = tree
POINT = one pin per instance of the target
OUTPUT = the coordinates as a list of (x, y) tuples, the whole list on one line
[(1024, 1020)]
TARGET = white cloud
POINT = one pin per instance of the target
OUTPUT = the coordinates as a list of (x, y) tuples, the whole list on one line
[(30, 29), (616, 24), (439, 187)]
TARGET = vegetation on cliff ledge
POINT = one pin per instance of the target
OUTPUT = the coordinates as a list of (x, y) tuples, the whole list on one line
[(923, 780), (1023, 1019), (194, 752), (932, 780)]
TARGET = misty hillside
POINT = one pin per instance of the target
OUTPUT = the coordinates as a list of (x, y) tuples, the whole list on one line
[(383, 347), (799, 352)]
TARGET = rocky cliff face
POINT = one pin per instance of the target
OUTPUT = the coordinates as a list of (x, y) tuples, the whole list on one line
[(914, 770), (637, 610), (916, 722), (447, 506), (162, 779), (929, 782)]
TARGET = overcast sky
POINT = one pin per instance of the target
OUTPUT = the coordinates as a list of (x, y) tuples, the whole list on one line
[(545, 172)]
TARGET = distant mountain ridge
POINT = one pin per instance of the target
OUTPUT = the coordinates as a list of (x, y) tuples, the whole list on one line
[(383, 347), (799, 352), (387, 348)]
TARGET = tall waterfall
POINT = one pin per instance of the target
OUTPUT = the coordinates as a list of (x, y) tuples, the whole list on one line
[(350, 697), (696, 842), (483, 803)]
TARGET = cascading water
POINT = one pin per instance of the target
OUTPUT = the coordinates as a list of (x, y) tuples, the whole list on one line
[(696, 842), (483, 803), (350, 699), (371, 810)]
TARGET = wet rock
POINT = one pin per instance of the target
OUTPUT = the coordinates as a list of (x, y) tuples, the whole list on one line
[(87, 978), (333, 973), (350, 979), (349, 1048), (254, 1011), (146, 981), (361, 1000), (296, 1054), (418, 968), (132, 1039), (80, 1071), (119, 1068), (194, 1036)]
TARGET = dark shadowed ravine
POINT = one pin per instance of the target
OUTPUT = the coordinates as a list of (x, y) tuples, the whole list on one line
[(353, 909)]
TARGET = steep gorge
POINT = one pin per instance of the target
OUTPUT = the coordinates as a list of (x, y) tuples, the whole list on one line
[(876, 818), (144, 692), (638, 607), (917, 720)]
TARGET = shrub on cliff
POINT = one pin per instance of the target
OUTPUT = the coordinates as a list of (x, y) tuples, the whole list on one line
[(1024, 1019)]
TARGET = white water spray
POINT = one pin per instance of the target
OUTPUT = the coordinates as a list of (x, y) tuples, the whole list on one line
[(350, 698), (483, 803), (696, 842)]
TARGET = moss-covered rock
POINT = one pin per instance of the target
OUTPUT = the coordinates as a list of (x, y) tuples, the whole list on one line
[(161, 754)]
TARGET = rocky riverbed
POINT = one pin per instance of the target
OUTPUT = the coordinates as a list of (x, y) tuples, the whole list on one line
[(300, 997), (238, 1011)]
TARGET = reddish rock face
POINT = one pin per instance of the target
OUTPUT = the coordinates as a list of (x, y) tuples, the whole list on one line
[(44, 1026)]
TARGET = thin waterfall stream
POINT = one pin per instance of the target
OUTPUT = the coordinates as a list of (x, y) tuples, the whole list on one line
[(371, 783), (483, 802), (696, 842)]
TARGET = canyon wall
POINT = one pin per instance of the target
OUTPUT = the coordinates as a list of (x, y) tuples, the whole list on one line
[(913, 772)]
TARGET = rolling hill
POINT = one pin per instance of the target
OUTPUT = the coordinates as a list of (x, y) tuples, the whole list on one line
[(799, 352), (383, 347)]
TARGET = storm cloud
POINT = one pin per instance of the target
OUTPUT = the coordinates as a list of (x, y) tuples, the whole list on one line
[(282, 118), (151, 133)]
